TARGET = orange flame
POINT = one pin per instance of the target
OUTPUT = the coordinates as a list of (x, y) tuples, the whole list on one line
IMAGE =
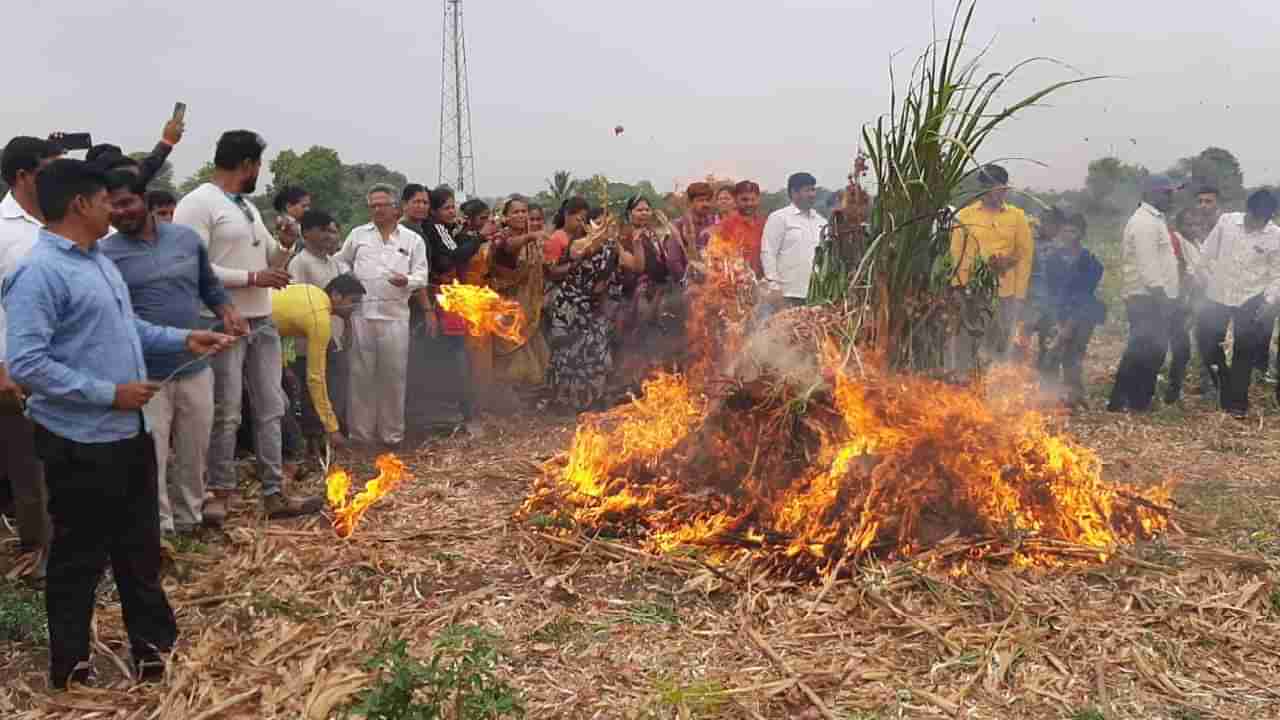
[(486, 312), (347, 514), (838, 466)]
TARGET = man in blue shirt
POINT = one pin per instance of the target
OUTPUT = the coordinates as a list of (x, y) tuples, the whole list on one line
[(75, 344), (169, 276)]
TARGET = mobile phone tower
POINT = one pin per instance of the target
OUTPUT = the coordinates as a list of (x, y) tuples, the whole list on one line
[(457, 161)]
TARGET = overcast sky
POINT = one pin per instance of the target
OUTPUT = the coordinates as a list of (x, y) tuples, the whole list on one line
[(745, 88)]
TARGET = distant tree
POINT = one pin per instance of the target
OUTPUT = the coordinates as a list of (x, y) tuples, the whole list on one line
[(201, 176), (560, 186), (318, 171), (1113, 187), (356, 181)]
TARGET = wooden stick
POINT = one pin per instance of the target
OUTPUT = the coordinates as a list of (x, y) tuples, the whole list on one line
[(764, 646), (229, 702), (212, 599)]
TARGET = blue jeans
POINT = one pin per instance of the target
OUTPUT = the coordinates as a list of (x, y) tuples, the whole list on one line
[(254, 363)]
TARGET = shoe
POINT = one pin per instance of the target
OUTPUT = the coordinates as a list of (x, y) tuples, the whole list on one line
[(82, 674), (148, 669), (280, 505), (214, 513)]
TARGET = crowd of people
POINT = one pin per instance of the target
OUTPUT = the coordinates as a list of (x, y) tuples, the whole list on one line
[(1186, 278), (144, 337)]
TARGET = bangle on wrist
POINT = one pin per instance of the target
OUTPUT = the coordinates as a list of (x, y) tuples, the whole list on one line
[(253, 280)]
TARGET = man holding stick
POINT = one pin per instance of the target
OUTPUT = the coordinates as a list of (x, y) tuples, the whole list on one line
[(79, 348), (249, 261)]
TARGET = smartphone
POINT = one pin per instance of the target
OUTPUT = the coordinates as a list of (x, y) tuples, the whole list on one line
[(76, 141), (179, 111)]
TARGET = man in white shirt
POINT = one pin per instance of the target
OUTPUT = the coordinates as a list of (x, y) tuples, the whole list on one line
[(249, 262), (391, 261), (791, 237), (20, 223), (1155, 262), (1240, 268)]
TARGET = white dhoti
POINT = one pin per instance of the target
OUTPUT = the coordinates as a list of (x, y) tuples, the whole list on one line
[(379, 366)]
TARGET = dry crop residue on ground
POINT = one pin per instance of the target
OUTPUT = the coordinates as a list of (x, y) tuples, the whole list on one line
[(278, 619)]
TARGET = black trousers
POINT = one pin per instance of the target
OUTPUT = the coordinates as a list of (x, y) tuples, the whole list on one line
[(1179, 349), (104, 507), (310, 423), (439, 372), (1135, 385), (1252, 337), (1066, 356)]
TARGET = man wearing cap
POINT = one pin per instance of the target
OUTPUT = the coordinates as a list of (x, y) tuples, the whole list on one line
[(993, 229), (1240, 267), (1155, 263), (790, 240)]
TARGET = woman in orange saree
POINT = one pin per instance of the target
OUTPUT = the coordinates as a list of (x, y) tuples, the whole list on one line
[(517, 275)]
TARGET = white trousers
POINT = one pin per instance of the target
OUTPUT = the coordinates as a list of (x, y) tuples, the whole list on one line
[(379, 365), (181, 416)]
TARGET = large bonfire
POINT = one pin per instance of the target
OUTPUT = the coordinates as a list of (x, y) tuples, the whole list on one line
[(787, 444)]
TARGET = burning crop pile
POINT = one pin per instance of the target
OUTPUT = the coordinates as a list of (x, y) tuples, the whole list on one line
[(783, 444)]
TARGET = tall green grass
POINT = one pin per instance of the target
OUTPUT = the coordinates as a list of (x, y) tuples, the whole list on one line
[(921, 152)]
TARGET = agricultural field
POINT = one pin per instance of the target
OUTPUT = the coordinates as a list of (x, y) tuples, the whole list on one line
[(442, 605)]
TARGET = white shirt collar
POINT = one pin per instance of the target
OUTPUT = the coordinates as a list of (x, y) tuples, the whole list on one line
[(11, 210), (1151, 209)]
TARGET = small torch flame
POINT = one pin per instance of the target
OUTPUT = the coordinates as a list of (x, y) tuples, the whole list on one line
[(486, 312), (347, 514)]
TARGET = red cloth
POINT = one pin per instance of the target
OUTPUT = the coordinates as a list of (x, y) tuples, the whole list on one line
[(553, 248), (746, 233), (451, 324)]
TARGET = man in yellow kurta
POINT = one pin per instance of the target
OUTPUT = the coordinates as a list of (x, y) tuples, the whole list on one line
[(306, 312), (990, 228)]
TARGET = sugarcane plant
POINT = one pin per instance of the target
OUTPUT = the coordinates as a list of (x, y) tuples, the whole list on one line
[(904, 289)]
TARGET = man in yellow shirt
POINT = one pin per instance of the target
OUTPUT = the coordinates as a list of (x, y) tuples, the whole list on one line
[(992, 229), (306, 311)]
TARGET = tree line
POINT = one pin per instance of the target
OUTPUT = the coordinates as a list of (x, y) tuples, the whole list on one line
[(1111, 187)]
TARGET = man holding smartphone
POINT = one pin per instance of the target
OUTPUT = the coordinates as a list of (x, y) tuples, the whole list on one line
[(246, 258), (106, 156)]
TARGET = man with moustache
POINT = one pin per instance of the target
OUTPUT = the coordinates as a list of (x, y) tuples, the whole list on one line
[(248, 259), (170, 279), (745, 228)]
